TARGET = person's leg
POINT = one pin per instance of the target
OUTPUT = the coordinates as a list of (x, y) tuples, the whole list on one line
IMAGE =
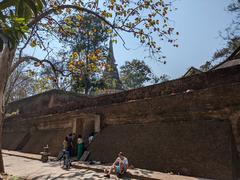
[(112, 169), (70, 151), (78, 152)]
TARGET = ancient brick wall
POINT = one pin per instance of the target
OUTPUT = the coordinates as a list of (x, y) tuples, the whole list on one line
[(40, 104), (195, 148), (31, 134), (44, 101), (186, 104)]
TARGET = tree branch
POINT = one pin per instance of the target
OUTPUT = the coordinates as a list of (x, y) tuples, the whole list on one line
[(31, 58), (61, 7), (26, 43)]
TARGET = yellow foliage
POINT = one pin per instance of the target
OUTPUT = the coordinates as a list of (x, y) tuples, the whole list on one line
[(98, 51), (80, 62), (94, 58), (75, 55), (112, 1), (109, 31), (79, 18), (5, 30), (104, 13), (69, 10), (33, 43)]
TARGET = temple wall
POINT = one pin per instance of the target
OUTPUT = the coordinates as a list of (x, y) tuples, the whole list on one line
[(57, 101), (195, 148), (31, 134), (44, 101), (190, 121)]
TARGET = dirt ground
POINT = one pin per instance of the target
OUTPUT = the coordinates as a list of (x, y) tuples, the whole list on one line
[(36, 170)]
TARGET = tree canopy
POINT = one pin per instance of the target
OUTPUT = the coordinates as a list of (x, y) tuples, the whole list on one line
[(41, 23), (137, 73)]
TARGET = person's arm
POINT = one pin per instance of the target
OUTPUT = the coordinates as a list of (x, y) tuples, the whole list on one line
[(126, 163), (115, 162)]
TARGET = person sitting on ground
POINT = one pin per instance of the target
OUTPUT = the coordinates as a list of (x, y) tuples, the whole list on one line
[(119, 166)]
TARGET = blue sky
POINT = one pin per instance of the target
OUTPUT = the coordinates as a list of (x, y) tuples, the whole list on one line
[(199, 23)]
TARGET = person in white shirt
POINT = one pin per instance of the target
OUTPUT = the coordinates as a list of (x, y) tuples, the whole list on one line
[(119, 166), (90, 138)]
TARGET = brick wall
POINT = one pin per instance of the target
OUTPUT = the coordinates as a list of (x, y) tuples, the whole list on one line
[(195, 148), (197, 107)]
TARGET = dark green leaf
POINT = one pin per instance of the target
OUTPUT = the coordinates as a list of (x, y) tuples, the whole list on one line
[(32, 6), (2, 17), (6, 3), (20, 9)]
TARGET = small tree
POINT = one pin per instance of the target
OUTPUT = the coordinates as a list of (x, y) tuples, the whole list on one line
[(87, 52), (136, 73)]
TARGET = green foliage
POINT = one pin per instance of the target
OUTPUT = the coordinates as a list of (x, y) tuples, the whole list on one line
[(110, 83), (135, 73), (83, 24), (15, 16), (86, 36), (87, 85), (83, 32), (142, 18)]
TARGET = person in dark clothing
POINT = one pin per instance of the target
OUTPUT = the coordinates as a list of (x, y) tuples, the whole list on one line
[(70, 144), (74, 143)]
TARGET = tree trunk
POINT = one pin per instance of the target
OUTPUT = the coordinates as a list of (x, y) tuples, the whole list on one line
[(6, 59), (2, 112), (1, 133), (87, 84)]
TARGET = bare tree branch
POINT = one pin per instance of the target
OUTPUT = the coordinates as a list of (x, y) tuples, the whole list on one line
[(26, 43), (31, 58), (61, 7)]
